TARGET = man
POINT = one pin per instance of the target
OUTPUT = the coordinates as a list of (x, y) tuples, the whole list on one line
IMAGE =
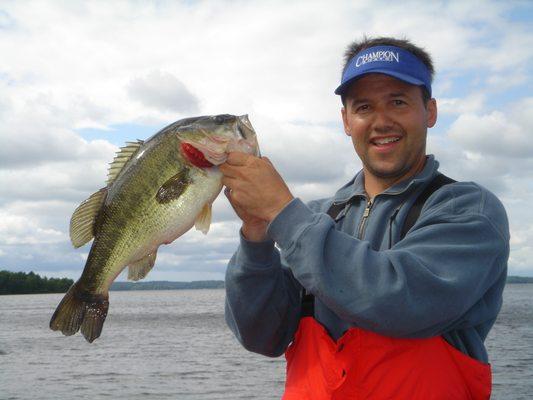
[(386, 314)]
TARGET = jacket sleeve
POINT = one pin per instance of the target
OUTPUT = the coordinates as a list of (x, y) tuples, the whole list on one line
[(438, 278), (262, 298)]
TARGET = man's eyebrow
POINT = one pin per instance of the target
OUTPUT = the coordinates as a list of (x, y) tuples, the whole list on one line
[(398, 94), (358, 100)]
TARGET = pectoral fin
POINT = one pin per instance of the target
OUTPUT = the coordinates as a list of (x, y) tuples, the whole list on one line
[(203, 220), (83, 218), (174, 187), (140, 268)]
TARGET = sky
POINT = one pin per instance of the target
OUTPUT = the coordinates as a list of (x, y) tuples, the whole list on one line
[(79, 79)]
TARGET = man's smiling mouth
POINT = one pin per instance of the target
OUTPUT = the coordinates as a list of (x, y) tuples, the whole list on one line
[(383, 141)]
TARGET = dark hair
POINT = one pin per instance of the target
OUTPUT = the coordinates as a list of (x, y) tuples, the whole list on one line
[(357, 46)]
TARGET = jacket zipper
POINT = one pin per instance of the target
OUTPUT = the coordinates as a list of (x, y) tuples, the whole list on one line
[(366, 213)]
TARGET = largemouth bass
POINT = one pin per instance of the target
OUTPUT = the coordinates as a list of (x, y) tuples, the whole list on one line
[(156, 191)]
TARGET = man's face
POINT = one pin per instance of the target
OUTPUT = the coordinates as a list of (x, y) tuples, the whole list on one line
[(387, 121)]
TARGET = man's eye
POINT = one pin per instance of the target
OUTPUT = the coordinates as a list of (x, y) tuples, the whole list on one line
[(399, 102), (363, 108)]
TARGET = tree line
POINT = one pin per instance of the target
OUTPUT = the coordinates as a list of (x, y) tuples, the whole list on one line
[(27, 283)]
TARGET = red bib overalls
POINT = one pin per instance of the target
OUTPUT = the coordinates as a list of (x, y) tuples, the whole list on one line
[(365, 365)]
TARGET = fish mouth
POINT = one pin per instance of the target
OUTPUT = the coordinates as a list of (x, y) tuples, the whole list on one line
[(195, 156), (208, 150)]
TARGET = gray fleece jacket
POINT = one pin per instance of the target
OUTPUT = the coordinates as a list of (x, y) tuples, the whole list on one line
[(446, 277)]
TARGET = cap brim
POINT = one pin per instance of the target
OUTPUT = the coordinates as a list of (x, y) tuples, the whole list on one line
[(398, 75)]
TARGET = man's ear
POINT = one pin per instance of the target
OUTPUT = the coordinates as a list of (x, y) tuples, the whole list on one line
[(432, 113)]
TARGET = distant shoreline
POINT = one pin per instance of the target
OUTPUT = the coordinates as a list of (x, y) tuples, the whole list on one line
[(30, 283), (519, 279), (166, 285)]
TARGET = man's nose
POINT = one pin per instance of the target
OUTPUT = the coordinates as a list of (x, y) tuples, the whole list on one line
[(382, 123)]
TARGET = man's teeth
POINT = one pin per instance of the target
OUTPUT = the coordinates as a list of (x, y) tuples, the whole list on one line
[(386, 140)]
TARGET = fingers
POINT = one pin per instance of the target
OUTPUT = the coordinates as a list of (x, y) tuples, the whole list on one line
[(234, 161), (228, 171), (237, 158), (229, 182), (233, 167)]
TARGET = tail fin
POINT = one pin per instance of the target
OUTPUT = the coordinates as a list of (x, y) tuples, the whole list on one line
[(80, 310)]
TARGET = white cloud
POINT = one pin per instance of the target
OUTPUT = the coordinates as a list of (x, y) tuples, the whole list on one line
[(471, 104), (497, 134), (492, 134), (66, 180), (100, 64), (163, 91), (38, 131), (501, 81), (305, 152), (21, 230)]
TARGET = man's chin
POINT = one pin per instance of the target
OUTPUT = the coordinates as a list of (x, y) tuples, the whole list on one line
[(387, 173), (393, 171)]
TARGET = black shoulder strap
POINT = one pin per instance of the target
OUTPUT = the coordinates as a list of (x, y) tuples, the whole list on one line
[(335, 209), (308, 305), (439, 181), (414, 212)]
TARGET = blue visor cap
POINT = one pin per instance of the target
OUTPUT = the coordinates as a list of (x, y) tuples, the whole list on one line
[(389, 60)]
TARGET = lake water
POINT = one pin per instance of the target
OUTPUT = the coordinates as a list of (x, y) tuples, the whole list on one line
[(175, 345)]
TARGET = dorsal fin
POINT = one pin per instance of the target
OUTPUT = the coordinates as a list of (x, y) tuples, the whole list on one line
[(123, 156), (83, 218)]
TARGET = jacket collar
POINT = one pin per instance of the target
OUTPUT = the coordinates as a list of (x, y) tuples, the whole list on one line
[(356, 186)]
